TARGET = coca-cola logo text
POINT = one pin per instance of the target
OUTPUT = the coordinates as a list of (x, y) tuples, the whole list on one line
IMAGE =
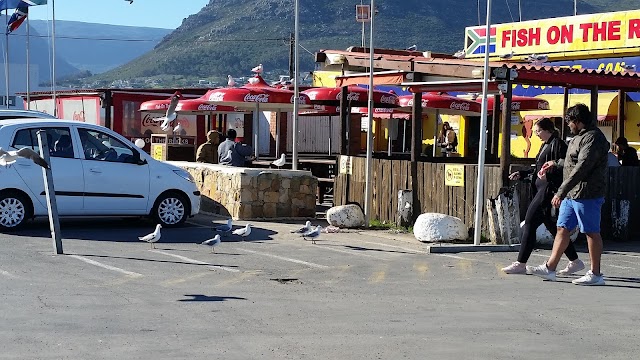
[(259, 98), (219, 96), (388, 99), (207, 107), (301, 99), (460, 106), (352, 96), (79, 116)]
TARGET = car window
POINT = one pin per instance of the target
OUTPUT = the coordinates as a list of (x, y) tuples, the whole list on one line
[(58, 139), (102, 147)]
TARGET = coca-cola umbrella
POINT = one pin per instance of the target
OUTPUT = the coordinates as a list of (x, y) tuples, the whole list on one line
[(386, 113), (518, 103), (356, 97), (256, 95)]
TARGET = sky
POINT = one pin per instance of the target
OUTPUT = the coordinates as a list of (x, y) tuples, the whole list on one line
[(148, 13)]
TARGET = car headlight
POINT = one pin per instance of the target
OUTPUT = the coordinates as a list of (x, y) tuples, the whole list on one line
[(184, 174)]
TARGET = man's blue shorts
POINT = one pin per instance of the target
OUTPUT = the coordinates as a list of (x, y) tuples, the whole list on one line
[(583, 212)]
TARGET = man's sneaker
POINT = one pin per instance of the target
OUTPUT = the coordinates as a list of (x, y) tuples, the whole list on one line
[(515, 268), (572, 267), (590, 279), (542, 271)]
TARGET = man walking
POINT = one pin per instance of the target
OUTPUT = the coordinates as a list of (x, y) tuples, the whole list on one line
[(581, 195)]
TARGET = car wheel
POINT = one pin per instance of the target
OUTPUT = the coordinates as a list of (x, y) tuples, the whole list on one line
[(171, 210), (15, 210)]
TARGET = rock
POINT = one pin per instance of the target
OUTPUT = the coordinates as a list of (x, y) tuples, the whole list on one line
[(432, 227), (345, 216), (544, 237)]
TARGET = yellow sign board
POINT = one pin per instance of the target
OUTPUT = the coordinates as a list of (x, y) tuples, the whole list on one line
[(453, 175), (346, 165), (157, 151), (614, 32)]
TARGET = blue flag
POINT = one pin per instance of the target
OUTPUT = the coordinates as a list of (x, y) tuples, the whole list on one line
[(17, 19), (15, 4)]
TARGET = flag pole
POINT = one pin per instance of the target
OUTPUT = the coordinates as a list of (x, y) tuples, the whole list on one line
[(6, 64), (28, 66), (53, 62)]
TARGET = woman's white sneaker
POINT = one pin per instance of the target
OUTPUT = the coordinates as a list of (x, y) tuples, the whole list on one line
[(542, 271), (590, 279), (572, 267), (515, 268)]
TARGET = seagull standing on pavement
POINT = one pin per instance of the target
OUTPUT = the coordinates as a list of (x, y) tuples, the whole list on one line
[(9, 157), (281, 161), (224, 228), (231, 82), (304, 229), (212, 242), (312, 234), (171, 112), (243, 232), (153, 237)]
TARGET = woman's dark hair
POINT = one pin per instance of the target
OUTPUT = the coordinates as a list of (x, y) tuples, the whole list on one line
[(579, 112), (546, 124), (622, 141)]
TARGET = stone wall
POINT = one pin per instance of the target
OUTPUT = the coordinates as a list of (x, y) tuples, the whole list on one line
[(245, 193)]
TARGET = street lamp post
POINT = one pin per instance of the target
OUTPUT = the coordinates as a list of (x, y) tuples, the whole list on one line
[(296, 90), (368, 174)]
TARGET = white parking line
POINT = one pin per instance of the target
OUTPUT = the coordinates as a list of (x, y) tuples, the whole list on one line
[(396, 247), (350, 252), (198, 262), (105, 266), (317, 266), (7, 274), (618, 267)]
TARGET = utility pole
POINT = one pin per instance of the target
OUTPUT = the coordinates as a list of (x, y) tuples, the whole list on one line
[(292, 42)]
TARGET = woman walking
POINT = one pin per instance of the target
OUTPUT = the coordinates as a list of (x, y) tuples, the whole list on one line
[(543, 188)]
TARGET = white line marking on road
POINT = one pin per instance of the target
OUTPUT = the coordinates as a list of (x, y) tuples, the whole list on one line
[(396, 247), (8, 274), (619, 267), (317, 266), (458, 257), (105, 266), (198, 262)]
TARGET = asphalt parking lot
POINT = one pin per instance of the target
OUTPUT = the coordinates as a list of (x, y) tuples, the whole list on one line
[(353, 295)]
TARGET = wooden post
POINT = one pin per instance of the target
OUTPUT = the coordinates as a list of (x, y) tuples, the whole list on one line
[(52, 206), (495, 127), (416, 149), (622, 99), (594, 105), (565, 105), (505, 154), (344, 121)]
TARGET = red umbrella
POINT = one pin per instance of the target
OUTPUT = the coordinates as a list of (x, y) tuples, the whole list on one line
[(357, 97), (321, 110), (202, 106), (519, 103), (383, 113), (257, 93), (443, 102)]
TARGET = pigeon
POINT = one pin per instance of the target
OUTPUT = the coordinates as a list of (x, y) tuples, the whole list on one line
[(412, 48), (507, 56), (177, 128), (312, 234), (153, 237), (212, 242), (460, 54), (171, 112), (230, 81), (9, 157), (537, 59), (304, 229), (281, 161), (257, 69), (243, 232), (224, 228)]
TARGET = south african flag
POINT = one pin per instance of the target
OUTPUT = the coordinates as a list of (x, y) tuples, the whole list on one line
[(477, 40)]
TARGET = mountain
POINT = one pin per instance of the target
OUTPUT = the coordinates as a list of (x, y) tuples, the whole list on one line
[(232, 36)]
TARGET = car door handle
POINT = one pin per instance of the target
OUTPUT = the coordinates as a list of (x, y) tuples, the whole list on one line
[(97, 171), (24, 164)]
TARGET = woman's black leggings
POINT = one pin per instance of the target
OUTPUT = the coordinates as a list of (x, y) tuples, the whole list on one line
[(538, 213)]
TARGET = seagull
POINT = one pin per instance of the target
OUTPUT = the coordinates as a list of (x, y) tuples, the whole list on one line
[(281, 161), (212, 242), (460, 54), (130, 1), (224, 228), (243, 232), (9, 157), (153, 237), (254, 80), (177, 128), (537, 59), (171, 112), (313, 234), (304, 229), (412, 48), (507, 56), (257, 69), (231, 82), (629, 67)]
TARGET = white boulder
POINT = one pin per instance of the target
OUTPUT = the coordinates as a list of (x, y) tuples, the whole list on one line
[(431, 227), (543, 236), (345, 216)]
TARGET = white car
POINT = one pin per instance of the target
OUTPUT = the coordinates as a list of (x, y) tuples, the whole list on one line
[(96, 172)]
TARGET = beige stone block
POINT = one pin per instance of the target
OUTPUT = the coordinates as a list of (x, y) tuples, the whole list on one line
[(247, 195), (284, 197), (285, 183), (305, 180), (245, 180), (304, 189), (264, 182), (258, 211), (269, 211), (271, 197), (245, 211), (275, 183), (295, 185)]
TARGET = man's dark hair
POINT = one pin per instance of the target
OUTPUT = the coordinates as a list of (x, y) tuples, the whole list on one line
[(231, 134), (547, 125), (579, 112), (622, 141)]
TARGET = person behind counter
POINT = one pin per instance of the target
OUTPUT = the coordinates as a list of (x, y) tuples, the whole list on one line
[(208, 152), (626, 154), (232, 153)]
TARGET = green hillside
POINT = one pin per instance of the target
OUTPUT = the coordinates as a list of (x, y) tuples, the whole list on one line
[(230, 37)]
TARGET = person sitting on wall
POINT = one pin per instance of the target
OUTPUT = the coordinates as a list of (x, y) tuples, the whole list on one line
[(626, 154), (232, 153), (208, 152)]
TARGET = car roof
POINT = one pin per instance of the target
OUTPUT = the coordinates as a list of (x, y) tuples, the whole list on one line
[(40, 121), (14, 113)]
